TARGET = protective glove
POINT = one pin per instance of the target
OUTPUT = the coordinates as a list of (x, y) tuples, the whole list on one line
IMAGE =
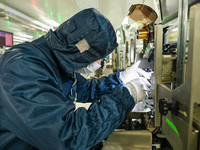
[(138, 88), (143, 73), (133, 72), (141, 107), (90, 68), (130, 73)]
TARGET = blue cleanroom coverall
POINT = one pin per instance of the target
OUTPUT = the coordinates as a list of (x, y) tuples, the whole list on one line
[(38, 87)]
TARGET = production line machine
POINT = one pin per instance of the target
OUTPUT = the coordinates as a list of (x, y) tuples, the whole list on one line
[(177, 108), (174, 120)]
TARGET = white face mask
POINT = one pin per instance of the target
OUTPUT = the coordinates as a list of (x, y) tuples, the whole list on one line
[(90, 68)]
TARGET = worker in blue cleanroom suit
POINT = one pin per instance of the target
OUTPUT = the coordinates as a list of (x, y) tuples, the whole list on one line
[(39, 82)]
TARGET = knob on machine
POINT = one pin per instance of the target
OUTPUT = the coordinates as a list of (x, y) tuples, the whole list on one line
[(164, 107)]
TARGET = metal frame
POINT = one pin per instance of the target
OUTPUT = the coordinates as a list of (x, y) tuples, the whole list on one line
[(156, 77), (182, 36)]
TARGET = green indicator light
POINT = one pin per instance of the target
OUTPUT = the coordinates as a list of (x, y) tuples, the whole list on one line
[(172, 126), (51, 13), (46, 4), (37, 33), (59, 18), (8, 23)]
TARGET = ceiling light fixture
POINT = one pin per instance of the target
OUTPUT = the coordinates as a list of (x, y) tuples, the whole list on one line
[(53, 23), (25, 26), (42, 29), (41, 24), (21, 15), (26, 36), (20, 38), (8, 9), (16, 40)]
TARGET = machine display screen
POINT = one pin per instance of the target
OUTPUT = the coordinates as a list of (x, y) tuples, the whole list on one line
[(6, 39)]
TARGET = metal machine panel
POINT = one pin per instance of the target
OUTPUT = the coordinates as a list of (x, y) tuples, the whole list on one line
[(168, 68), (156, 78), (179, 129), (129, 140)]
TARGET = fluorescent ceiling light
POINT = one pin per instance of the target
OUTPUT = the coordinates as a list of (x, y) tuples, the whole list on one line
[(20, 38), (16, 40), (25, 26), (15, 12), (41, 24), (39, 28), (19, 14), (53, 23), (26, 36)]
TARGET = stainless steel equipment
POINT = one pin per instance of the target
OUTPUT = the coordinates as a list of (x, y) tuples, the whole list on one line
[(177, 105)]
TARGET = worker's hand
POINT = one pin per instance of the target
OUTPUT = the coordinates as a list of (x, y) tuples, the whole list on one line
[(141, 107), (138, 88), (143, 73), (130, 73), (133, 72)]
